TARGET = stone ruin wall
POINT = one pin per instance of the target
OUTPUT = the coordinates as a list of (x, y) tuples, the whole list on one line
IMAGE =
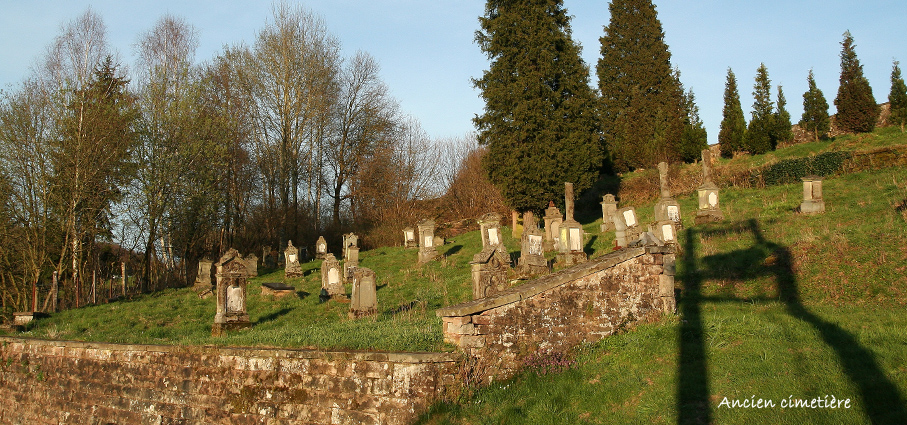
[(584, 303), (77, 382), (88, 383)]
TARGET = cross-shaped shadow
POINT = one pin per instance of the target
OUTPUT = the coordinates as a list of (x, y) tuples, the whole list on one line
[(880, 397)]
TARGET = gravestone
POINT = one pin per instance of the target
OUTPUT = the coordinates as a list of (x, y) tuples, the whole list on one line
[(571, 239), (252, 265), (331, 279), (351, 262), (427, 251), (517, 230), (609, 205), (664, 230), (667, 207), (626, 225), (321, 248), (489, 272), (364, 299), (269, 258), (532, 253), (409, 238), (203, 286), (291, 259), (276, 289), (553, 219), (231, 294), (490, 229), (812, 196), (709, 210), (349, 239)]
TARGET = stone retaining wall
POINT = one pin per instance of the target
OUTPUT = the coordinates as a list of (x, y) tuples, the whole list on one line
[(583, 303), (50, 382)]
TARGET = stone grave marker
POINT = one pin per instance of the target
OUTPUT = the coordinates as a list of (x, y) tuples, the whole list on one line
[(812, 196), (553, 219), (291, 259), (277, 289), (489, 272), (321, 248), (231, 294), (490, 228), (409, 238), (571, 239), (665, 230), (364, 299), (203, 286), (667, 207), (532, 253), (609, 205), (349, 239), (351, 262), (427, 251), (252, 265), (709, 210), (626, 225), (332, 279)]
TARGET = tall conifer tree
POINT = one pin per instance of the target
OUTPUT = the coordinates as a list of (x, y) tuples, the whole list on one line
[(733, 124), (695, 137), (783, 131), (539, 121), (641, 98), (857, 108), (759, 138), (897, 98), (815, 110)]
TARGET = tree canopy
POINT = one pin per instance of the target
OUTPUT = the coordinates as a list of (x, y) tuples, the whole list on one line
[(733, 124), (857, 108), (815, 118)]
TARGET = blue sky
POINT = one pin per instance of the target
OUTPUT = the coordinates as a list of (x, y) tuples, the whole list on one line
[(427, 53)]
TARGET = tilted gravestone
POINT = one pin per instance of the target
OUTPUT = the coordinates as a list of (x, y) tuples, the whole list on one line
[(532, 254), (331, 279), (571, 239), (291, 259), (626, 226), (427, 251), (709, 210), (609, 205), (812, 196), (364, 299), (667, 207), (553, 219), (252, 265), (203, 286), (409, 238), (231, 294), (321, 248)]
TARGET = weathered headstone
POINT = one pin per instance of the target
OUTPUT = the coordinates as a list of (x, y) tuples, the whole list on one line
[(553, 219), (331, 279), (571, 234), (626, 226), (490, 229), (321, 248), (231, 294), (351, 262), (364, 298), (349, 239), (489, 272), (532, 253), (667, 207), (812, 196), (291, 259), (252, 265), (609, 205), (409, 238), (427, 251), (709, 210), (664, 230), (203, 286)]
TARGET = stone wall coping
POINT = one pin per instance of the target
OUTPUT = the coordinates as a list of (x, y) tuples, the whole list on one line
[(290, 353), (542, 284)]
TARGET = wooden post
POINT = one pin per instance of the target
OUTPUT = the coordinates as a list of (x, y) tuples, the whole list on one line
[(34, 296), (94, 287), (56, 291), (123, 276)]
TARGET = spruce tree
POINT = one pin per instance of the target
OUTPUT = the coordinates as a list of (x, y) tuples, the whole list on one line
[(815, 110), (733, 123), (641, 98), (857, 108), (897, 98), (782, 133), (694, 138), (759, 134), (539, 122)]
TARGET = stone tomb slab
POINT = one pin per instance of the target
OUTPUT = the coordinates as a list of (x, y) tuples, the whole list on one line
[(277, 289)]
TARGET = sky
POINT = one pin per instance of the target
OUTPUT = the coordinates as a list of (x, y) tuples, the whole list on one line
[(428, 56)]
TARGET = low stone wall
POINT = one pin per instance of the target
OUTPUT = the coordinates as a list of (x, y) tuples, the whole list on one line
[(44, 382), (583, 303)]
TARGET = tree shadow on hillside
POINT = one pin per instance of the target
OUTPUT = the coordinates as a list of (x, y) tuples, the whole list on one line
[(881, 398)]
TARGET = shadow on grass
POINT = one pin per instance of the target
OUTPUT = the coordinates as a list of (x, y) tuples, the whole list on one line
[(273, 316), (588, 249), (453, 250), (881, 398)]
